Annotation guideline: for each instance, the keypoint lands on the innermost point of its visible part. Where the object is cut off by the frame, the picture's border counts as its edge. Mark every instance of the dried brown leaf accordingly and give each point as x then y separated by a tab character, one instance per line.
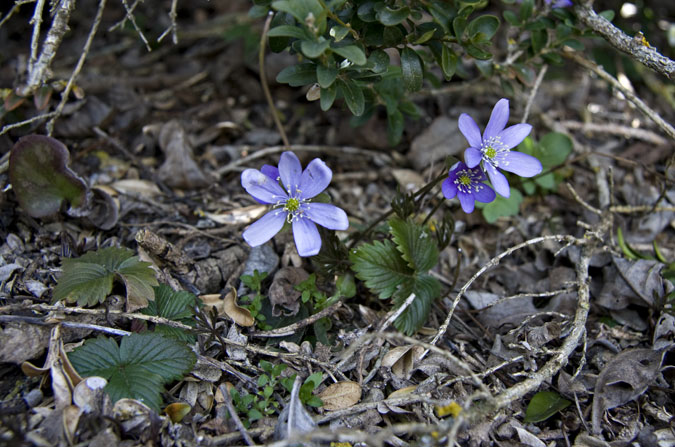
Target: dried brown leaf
238	314
340	395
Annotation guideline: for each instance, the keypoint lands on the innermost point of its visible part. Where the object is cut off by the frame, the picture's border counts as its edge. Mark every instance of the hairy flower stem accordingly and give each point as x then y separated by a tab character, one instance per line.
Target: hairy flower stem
418	195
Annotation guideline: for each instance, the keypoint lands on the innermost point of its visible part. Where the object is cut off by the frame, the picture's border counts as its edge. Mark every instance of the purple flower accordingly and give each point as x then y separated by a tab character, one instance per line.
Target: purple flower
494	147
467	184
291	203
559	3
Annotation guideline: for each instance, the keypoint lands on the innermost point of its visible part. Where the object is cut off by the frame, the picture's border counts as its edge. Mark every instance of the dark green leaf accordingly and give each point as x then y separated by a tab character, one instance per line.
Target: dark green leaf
395	126
416	246
511	17
313	49
477	52
543	405
353	96
392	36
424	37
339	32
328	97
539	40
391	17
138	368
326	75
426	289
300	9
573	44
173	305
525	11
448	62
41	178
381	267
411	69
459	25
378	61
289	31
351	53
366	12
486	26
298	75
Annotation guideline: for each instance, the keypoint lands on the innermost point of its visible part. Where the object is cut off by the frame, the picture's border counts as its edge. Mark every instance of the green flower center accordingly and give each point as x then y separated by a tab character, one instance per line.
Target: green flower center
465	180
292	205
490	152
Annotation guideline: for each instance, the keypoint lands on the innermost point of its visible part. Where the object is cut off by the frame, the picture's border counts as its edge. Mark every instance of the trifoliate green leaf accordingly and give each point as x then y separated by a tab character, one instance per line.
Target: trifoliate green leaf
426	289
88	279
138	368
415	244
381	267
178	306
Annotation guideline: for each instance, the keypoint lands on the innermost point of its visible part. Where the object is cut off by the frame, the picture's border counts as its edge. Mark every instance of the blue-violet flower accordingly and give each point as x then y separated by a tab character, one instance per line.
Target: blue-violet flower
467	184
494	147
291	203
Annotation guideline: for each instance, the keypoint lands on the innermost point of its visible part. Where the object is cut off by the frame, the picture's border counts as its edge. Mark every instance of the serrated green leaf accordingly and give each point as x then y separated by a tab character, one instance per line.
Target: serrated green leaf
381	267
173	305
543	405
138	368
426	289
411	70
502	207
88	279
298	75
352	53
313	49
353	97
415	245
41	177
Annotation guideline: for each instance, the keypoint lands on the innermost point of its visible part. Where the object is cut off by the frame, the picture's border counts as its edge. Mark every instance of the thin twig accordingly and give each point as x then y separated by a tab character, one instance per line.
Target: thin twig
35	37
644	108
636	46
130	16
174	26
395	313
78	67
26	122
37	73
617	129
14	10
535	89
263	81
292	328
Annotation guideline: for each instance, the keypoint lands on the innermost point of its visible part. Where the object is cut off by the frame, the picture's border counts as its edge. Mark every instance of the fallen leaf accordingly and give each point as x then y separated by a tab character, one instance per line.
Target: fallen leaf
340	395
282	291
401	360
177	411
238	314
179	169
238	216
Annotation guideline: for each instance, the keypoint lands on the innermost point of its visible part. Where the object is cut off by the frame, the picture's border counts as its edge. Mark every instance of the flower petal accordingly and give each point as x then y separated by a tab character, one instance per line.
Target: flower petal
512	136
315	178
498	180
449	188
521	164
498	119
472	157
264	228
327	215
290	170
307	238
467	201
270	171
470	130
262	187
484	194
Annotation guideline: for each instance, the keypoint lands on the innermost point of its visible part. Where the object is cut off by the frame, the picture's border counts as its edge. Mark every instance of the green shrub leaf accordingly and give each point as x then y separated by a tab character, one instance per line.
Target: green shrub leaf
416	246
353	97
138	368
483	27
88	279
391	17
298	75
41	178
352	53
543	405
326	75
411	69
381	267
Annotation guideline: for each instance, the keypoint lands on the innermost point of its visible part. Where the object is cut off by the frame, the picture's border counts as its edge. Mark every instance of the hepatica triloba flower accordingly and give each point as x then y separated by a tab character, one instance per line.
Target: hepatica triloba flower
493	148
467	184
291	202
